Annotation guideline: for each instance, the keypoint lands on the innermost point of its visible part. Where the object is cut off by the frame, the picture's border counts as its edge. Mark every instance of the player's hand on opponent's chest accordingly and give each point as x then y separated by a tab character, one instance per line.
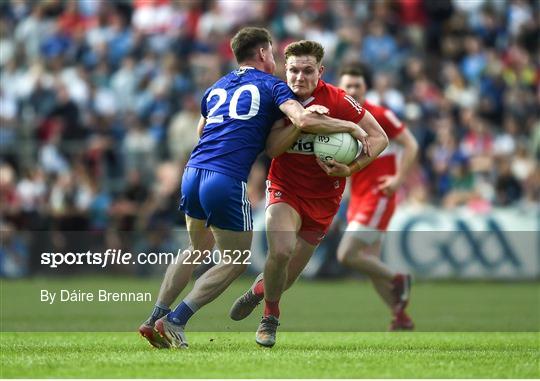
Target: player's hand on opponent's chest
318	109
333	168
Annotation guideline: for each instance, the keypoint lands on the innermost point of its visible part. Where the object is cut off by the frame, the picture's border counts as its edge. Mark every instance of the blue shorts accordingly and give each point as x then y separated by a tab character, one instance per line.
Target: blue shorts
219	199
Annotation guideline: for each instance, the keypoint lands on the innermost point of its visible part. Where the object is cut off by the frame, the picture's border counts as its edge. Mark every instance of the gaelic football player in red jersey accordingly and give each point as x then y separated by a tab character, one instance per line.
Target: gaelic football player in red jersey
373	201
302	198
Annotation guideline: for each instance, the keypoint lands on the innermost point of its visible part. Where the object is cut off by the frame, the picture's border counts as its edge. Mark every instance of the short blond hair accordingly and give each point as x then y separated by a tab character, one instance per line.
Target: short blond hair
305	48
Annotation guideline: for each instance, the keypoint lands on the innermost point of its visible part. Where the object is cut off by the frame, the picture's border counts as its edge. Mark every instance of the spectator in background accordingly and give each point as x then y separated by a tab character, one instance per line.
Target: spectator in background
505	142
32	195
508	189
457	90
183	130
380	48
9	199
461	184
385	94
111	88
474	62
50	158
139	149
477	145
127	206
8	114
124	84
442	153
14	261
99	207
523	164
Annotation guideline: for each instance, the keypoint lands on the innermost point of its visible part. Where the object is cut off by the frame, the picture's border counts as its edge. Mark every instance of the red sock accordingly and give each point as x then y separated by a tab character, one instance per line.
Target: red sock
259	288
271	308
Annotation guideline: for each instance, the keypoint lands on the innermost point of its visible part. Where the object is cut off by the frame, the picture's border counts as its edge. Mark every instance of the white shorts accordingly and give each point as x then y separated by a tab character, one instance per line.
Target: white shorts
364	233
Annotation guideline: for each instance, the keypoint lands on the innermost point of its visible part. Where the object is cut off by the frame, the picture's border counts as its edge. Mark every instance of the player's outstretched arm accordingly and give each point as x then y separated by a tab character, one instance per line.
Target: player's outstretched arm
315	123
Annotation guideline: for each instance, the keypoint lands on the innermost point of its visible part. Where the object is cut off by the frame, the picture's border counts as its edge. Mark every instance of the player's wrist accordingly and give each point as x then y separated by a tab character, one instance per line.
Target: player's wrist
353	127
353	167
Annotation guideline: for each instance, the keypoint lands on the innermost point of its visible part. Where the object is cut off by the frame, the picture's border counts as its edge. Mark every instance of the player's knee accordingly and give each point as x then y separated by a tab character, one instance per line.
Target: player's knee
281	254
349	255
344	256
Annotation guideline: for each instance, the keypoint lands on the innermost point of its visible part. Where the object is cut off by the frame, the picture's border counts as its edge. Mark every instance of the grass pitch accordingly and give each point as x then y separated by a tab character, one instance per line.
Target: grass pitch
297	355
465	330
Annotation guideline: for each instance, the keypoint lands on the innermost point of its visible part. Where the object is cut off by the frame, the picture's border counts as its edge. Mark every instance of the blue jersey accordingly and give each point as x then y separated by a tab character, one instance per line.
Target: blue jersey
240	110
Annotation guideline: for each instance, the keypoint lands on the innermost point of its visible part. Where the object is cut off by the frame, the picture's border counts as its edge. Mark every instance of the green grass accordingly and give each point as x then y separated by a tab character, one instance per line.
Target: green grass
344	305
297	355
465	330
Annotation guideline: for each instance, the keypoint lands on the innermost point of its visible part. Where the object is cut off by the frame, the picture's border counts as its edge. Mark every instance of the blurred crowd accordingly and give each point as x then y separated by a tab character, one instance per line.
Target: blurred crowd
99	100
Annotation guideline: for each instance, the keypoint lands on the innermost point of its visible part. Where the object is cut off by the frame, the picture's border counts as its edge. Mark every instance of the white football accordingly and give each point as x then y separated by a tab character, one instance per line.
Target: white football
341	147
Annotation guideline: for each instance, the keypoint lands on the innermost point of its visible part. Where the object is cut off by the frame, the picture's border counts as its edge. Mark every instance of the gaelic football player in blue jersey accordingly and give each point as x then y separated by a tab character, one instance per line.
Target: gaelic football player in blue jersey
238	112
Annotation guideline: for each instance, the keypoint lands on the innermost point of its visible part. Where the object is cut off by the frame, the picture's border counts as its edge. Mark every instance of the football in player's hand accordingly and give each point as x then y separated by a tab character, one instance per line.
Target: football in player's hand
341	147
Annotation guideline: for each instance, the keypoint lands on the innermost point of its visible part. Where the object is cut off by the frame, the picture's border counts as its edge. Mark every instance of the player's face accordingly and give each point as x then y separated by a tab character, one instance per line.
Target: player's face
303	74
267	55
354	85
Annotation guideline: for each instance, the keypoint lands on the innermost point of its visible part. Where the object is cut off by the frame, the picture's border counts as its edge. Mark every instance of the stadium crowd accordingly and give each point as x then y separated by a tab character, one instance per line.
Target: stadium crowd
99	100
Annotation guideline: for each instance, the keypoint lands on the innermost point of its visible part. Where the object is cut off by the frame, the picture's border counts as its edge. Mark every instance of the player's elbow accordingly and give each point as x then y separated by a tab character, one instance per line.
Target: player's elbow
385	140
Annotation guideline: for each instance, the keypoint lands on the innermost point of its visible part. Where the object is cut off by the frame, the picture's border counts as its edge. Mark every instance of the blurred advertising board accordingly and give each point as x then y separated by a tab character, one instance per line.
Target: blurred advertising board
436	243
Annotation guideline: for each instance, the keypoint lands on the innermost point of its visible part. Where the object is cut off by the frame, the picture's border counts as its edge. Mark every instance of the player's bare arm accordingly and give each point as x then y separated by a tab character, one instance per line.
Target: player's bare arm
200	125
378	141
281	137
311	120
389	184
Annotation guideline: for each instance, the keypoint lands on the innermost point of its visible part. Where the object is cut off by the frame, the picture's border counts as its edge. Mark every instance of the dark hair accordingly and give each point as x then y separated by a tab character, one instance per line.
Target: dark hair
305	48
244	44
357	69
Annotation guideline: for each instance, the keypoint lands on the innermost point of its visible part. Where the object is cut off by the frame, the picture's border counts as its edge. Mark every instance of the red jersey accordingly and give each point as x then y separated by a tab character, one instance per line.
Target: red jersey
297	168
364	180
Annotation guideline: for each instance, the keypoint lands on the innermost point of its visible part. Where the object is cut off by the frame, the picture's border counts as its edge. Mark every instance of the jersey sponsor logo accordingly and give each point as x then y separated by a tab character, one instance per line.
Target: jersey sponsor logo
304	145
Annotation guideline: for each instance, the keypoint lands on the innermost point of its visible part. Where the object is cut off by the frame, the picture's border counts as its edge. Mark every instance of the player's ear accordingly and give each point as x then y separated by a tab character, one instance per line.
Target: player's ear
321	70
263	52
